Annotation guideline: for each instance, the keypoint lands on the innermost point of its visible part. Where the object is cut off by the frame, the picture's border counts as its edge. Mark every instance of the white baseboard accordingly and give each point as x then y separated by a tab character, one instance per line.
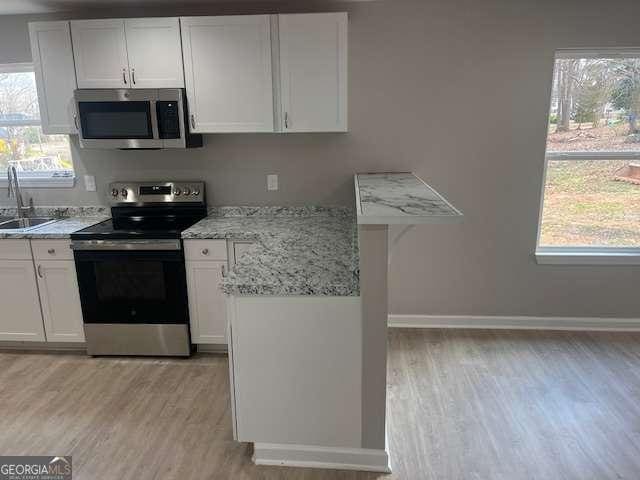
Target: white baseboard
43	346
515	322
310	456
204	348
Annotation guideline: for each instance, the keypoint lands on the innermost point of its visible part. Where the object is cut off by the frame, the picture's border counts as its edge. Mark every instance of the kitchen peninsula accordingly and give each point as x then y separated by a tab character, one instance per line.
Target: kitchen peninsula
307	313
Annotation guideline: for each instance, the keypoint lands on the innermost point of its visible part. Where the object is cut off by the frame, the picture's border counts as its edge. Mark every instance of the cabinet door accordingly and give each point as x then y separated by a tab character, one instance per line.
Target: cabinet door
154	52
100	53
21	318
60	300
55	75
206	302
228	73
313	72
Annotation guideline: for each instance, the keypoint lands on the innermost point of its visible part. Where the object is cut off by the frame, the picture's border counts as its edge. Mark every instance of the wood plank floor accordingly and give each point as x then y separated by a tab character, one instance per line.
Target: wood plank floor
461	405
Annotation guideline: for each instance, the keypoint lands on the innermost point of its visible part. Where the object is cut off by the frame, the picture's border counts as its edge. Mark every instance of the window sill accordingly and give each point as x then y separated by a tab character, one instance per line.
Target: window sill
43	182
587	256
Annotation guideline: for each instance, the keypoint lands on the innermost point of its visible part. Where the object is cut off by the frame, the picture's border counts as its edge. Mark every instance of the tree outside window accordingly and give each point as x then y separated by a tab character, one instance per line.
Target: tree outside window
592	184
22	143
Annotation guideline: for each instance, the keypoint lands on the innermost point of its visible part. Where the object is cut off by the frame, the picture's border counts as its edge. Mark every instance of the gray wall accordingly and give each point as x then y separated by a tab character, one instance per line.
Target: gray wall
417	71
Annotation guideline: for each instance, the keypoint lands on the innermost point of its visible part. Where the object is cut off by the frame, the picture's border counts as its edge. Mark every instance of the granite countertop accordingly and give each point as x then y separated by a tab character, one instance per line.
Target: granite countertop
298	251
400	198
75	218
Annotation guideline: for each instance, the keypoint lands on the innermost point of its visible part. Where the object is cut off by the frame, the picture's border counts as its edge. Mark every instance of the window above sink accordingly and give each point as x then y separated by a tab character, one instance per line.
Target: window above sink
40	160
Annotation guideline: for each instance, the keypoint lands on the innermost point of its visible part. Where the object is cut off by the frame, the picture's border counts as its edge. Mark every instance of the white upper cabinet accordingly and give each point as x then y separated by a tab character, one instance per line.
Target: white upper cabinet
230	82
313	72
131	53
100	52
155	52
55	75
228	73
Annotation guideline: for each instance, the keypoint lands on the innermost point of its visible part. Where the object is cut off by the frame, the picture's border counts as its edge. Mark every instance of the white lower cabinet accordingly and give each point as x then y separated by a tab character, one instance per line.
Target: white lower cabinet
296	370
60	300
39	292
206	264
206	302
20	317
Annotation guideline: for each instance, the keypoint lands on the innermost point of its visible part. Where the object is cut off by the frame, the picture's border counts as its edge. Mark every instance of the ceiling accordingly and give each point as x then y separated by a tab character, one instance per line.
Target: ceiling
16	7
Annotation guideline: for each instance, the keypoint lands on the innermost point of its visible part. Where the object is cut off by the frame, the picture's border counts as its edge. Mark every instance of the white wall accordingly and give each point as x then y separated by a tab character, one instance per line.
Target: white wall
456	91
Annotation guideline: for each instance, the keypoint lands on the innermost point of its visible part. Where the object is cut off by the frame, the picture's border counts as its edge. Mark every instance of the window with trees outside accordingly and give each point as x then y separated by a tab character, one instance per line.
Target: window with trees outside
39	159
591	198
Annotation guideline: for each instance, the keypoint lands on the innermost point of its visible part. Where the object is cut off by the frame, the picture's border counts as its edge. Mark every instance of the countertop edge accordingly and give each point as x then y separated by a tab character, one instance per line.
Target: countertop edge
404	218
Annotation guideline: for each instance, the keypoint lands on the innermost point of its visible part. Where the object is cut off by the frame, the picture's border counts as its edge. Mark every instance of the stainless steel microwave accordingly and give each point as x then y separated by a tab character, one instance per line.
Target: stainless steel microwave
134	119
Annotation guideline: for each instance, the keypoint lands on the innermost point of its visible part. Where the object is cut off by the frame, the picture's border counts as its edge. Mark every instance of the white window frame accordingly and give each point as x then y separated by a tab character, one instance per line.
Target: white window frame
580	255
39	179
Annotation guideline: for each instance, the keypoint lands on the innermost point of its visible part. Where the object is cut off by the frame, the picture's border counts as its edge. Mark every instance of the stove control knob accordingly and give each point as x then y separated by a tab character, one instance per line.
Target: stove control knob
187	191
177	192
114	192
124	192
196	192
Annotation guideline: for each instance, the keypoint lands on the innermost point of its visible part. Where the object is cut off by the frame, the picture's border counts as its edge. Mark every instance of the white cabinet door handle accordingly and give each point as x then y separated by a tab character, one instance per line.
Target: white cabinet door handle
40	271
51	251
286	119
223	268
205	251
133	75
193	121
124	76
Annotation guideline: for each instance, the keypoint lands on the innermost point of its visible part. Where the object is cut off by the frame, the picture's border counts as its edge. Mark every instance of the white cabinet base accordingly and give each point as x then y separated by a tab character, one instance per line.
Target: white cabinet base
297	370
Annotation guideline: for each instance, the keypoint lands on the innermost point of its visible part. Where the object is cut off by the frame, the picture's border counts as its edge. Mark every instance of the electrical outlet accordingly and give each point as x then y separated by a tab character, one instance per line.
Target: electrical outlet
272	182
90	183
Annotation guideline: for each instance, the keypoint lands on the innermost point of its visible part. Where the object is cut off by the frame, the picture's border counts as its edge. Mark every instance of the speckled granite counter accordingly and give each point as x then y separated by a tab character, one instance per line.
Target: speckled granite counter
298	251
400	198
69	220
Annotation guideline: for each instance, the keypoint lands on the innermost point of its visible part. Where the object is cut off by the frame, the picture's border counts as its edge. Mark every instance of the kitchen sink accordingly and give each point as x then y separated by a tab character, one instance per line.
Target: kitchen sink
25	223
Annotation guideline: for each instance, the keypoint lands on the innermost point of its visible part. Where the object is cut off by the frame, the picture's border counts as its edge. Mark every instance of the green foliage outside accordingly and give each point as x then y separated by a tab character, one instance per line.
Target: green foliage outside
585	206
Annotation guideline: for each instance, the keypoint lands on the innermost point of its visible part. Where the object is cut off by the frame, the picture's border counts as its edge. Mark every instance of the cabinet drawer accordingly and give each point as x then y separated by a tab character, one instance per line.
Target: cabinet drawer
205	249
52	249
15	249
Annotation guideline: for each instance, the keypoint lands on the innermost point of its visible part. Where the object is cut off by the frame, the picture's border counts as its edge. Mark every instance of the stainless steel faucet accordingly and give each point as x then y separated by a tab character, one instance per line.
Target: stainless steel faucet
14	190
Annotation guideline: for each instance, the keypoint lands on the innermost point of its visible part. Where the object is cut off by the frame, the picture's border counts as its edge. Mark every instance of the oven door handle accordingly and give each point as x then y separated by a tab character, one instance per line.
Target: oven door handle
126	245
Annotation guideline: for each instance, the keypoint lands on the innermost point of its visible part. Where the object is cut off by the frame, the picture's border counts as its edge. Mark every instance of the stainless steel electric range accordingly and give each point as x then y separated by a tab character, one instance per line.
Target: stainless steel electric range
131	271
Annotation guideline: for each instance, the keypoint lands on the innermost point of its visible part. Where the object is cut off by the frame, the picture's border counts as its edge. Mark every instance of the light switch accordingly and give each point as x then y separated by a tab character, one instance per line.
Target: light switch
90	183
272	182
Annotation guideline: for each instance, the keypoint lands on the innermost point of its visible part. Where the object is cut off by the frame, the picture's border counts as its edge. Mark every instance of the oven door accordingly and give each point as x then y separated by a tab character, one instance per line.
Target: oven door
131	286
118	118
